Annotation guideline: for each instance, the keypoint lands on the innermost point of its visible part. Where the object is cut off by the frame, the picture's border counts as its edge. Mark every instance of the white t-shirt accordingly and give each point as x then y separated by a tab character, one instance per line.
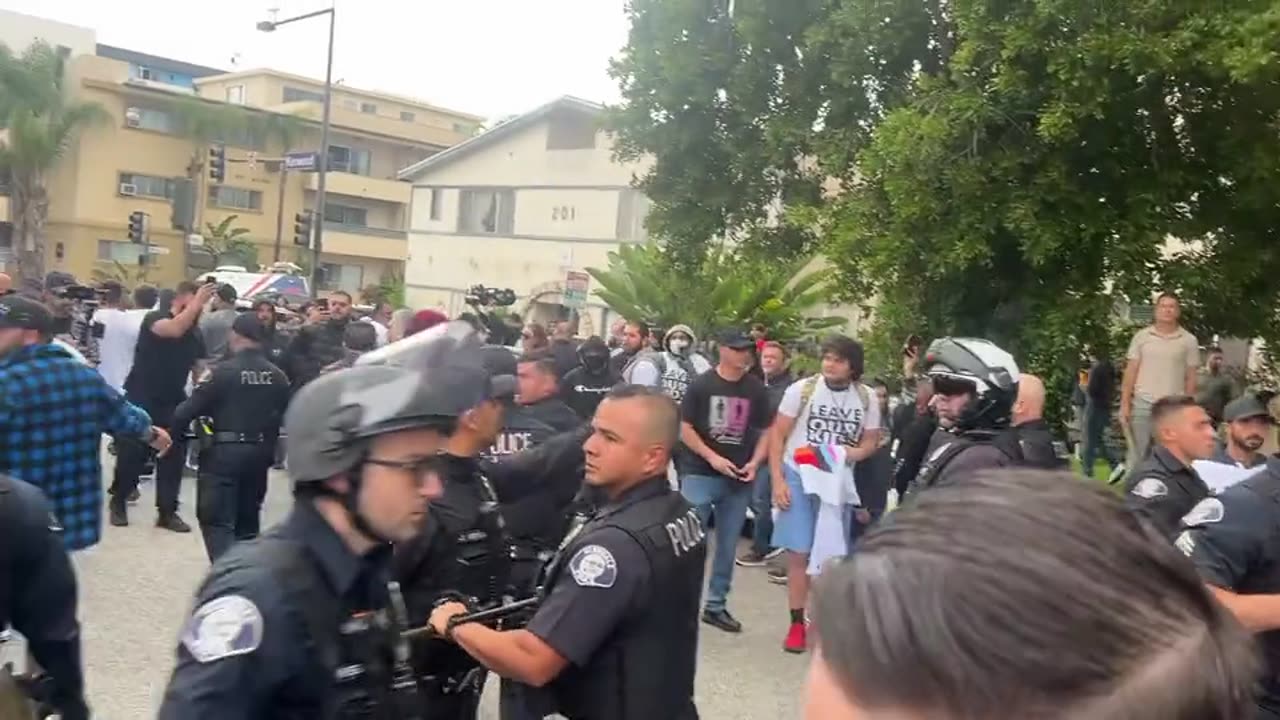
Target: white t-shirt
830	417
120	330
379	330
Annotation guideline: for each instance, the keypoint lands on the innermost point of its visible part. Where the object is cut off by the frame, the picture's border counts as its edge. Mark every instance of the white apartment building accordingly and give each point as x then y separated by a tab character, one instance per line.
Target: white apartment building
521	206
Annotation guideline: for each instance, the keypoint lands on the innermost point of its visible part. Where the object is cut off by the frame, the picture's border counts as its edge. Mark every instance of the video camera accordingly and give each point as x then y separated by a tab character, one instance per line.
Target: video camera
481	296
82	293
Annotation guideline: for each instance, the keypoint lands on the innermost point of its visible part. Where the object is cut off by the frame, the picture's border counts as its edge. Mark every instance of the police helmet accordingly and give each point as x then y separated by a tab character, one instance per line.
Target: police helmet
978	366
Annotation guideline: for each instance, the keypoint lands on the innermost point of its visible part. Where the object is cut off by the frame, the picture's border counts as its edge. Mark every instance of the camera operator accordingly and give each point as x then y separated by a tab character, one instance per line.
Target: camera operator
72	305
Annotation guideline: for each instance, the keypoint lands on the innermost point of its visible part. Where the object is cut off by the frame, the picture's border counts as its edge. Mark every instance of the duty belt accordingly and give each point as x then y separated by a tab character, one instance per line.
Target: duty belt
235	437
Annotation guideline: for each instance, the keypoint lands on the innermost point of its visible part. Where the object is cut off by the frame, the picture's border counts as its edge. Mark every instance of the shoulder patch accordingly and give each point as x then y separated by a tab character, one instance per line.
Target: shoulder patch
1150	488
594	566
223	627
1208	510
1186	543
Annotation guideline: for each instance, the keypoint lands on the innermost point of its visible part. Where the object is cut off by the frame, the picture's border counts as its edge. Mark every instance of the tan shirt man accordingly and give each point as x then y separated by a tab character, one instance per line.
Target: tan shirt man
1167	363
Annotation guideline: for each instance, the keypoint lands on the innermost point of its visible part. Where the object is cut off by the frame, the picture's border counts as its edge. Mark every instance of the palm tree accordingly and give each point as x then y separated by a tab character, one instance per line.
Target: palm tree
224	242
119	272
727	291
40	121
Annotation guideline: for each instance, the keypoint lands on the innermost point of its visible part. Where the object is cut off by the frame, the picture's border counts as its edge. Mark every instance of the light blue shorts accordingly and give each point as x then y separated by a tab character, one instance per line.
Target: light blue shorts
793	528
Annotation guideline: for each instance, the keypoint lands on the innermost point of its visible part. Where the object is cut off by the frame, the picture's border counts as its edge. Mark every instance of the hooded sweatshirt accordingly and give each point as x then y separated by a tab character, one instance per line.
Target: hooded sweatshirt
672	369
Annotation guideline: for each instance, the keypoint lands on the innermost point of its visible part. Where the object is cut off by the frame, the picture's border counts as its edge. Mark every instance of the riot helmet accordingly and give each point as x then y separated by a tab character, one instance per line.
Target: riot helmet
979	368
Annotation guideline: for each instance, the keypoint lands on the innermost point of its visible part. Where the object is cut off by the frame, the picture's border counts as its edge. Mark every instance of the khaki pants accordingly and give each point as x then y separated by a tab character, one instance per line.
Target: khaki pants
1139	432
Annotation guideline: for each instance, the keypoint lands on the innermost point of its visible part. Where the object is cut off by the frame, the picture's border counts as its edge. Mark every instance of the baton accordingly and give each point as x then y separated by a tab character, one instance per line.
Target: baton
474	617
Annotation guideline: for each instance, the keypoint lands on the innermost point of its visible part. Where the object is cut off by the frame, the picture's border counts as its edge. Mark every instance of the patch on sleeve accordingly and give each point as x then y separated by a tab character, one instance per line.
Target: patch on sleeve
1150	488
1208	510
1186	543
594	566
223	628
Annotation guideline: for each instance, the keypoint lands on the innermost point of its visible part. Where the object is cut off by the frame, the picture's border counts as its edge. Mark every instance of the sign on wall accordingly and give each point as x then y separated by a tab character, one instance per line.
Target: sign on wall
575	289
301	161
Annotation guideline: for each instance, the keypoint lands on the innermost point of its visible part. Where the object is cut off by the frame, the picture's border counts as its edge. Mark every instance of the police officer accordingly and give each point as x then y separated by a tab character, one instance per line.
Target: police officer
975	384
240	403
616	636
38	592
1234	542
521	428
271	635
586	385
1164	487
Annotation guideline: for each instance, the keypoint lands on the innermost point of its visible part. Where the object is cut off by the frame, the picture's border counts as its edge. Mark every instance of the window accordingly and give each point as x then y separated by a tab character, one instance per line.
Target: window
235	94
407	116
368	108
488	212
149	185
346	215
342	277
123	252
146	73
293	94
435	203
348	160
235	198
152	119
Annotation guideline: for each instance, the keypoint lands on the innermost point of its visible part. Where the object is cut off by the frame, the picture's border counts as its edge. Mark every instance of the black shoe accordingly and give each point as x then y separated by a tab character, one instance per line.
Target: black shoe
119	518
173	523
135	496
721	619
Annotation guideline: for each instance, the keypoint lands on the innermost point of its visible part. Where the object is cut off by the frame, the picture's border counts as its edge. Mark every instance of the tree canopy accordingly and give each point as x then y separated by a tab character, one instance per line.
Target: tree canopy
1009	168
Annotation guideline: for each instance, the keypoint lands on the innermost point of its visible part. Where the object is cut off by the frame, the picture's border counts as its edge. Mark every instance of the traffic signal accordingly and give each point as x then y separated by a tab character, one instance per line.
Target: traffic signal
217	163
137	226
302	228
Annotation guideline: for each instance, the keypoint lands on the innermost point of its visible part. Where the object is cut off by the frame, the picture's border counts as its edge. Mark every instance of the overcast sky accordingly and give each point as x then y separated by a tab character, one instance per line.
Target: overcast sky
487	57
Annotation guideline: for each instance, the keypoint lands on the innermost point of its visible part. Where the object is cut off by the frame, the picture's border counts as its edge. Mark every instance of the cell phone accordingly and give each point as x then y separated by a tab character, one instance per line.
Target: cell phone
210	280
323	304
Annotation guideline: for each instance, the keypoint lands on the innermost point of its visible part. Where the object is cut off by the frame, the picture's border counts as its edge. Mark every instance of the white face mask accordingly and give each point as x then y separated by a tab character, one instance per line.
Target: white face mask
678	345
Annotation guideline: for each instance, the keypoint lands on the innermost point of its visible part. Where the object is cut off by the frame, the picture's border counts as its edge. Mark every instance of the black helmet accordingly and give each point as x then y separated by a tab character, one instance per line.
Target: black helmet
980	367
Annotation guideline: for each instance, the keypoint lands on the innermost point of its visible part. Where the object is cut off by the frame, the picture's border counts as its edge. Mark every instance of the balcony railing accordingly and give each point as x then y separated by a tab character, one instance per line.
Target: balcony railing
365	230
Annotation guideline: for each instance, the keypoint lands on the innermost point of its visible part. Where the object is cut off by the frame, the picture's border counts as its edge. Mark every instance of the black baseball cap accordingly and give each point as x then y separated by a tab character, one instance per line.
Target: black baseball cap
459	388
227	293
1245	407
20	312
736	340
249	327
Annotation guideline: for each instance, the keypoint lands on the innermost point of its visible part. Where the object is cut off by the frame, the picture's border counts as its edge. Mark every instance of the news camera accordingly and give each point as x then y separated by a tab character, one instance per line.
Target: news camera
82	293
481	296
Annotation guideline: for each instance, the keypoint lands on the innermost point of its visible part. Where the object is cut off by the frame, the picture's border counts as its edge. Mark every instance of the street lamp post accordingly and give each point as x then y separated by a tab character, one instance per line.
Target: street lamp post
317	237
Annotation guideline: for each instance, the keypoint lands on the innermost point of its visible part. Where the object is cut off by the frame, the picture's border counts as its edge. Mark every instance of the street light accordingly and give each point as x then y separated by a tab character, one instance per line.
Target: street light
323	160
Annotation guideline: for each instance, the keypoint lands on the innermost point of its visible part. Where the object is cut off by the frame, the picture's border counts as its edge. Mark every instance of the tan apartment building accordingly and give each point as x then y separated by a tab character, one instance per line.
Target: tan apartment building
137	159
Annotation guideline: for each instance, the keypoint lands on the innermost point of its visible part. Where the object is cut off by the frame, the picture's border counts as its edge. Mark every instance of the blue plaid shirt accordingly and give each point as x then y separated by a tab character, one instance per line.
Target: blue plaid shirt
53	412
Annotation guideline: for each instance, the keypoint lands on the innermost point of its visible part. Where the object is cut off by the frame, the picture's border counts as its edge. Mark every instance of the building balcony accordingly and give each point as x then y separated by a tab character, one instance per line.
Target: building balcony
361	186
364	241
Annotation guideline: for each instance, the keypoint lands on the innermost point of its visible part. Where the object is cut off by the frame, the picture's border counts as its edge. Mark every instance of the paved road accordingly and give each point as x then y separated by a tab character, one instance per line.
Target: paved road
136	589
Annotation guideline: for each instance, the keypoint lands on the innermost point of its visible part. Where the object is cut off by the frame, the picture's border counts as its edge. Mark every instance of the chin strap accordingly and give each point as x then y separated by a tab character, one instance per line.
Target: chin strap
351	502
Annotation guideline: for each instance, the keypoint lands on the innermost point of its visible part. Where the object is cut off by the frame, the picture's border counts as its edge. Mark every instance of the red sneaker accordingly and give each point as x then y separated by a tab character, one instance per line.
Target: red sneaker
797	639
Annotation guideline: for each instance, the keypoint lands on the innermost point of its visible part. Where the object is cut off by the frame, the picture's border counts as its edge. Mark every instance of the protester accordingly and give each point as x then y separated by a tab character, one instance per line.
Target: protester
534	338
274	342
1162	361
380	319
398	328
584	386
318	343
672	368
357	339
424	320
1248	424
635	334
215	323
52	418
776	370
725	417
564	348
119	328
1019	595
1216	386
1100	393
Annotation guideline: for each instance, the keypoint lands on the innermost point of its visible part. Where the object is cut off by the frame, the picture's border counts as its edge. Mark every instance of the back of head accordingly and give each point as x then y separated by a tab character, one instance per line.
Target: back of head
145	297
360	337
1022	594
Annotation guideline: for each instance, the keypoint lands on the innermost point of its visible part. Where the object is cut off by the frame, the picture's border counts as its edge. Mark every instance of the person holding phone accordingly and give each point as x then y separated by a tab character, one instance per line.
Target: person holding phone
320	342
725	414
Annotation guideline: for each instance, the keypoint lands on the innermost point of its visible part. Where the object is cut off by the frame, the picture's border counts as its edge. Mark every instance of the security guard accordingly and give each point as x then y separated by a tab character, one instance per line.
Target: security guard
38	592
240	403
617	634
1163	487
275	627
1234	541
975	384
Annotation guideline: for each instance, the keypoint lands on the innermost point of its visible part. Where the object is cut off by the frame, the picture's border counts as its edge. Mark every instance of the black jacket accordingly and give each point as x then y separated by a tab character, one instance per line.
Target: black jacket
312	348
554	412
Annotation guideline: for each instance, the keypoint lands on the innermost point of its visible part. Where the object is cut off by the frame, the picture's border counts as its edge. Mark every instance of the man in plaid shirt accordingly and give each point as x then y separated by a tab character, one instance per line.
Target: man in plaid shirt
53	412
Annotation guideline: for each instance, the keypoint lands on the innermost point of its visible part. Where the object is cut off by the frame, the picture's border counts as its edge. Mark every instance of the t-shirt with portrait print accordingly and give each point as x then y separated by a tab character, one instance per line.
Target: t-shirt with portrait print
829	418
728	416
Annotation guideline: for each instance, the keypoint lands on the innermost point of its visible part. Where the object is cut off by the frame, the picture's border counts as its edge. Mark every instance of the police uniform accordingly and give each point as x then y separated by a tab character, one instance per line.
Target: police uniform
1234	542
521	430
38	592
244	399
1163	490
623	609
951	457
263	640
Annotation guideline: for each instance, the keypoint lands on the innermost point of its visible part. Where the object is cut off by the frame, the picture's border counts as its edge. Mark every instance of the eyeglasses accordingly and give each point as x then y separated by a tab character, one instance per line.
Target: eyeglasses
422	468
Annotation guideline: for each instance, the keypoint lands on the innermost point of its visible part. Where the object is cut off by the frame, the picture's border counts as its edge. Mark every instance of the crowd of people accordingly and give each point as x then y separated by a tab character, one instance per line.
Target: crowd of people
565	513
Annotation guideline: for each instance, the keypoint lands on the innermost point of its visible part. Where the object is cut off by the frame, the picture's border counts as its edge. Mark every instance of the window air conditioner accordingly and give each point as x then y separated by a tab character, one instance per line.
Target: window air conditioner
133	117
128	189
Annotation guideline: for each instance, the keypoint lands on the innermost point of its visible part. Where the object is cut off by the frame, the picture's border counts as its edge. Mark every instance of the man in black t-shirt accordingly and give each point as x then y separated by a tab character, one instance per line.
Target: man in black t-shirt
725	415
169	345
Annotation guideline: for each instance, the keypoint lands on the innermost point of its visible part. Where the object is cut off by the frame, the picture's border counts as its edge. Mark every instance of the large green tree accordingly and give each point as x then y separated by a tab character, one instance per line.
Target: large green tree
1011	168
39	122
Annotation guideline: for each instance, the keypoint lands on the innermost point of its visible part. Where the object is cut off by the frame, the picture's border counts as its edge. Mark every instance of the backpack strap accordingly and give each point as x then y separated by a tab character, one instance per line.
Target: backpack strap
806	393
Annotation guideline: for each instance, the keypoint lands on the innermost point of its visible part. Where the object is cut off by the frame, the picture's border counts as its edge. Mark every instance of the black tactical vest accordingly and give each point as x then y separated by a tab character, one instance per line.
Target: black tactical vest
645	669
484	550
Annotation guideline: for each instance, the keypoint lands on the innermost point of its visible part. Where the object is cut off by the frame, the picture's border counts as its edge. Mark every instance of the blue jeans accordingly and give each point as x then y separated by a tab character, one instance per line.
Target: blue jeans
728	499
762	506
1096	421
